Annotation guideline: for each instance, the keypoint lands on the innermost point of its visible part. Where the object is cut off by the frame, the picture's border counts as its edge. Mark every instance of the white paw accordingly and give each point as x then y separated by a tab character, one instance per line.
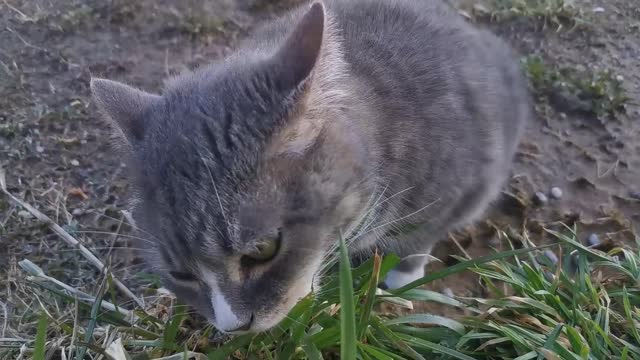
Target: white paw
396	279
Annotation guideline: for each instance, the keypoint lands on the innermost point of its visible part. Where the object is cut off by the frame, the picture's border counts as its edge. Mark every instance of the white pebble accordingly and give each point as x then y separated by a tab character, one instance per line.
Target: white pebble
556	192
25	214
39	149
593	240
448	292
541	198
75	162
598	9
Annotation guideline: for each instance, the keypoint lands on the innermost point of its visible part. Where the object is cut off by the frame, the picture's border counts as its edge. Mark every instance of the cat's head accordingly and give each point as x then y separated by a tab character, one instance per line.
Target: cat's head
243	181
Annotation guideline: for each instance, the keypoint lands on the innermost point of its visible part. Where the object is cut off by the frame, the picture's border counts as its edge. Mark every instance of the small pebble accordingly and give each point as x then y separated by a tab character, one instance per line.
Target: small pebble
635	195
556	192
25	214
447	292
77	212
593	240
39	149
598	9
494	242
75	162
540	198
552	256
27	249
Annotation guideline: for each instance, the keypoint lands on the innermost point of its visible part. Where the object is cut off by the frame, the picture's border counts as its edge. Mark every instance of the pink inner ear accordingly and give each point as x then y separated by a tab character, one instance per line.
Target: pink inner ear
301	50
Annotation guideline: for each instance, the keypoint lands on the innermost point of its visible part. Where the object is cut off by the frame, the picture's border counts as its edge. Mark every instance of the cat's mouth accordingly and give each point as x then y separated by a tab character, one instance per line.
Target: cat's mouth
267	319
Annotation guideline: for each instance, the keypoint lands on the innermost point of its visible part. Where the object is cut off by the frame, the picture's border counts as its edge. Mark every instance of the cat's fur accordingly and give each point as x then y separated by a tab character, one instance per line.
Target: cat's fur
382	112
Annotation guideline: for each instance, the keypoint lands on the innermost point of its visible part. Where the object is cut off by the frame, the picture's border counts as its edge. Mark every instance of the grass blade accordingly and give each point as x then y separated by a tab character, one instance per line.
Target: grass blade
172	329
92	322
41	337
370	297
348	337
310	349
460	267
420	343
428	319
376	353
395	339
224	352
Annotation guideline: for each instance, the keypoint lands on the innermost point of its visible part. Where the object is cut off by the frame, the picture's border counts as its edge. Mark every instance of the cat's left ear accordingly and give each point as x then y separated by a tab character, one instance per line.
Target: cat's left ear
297	57
124	106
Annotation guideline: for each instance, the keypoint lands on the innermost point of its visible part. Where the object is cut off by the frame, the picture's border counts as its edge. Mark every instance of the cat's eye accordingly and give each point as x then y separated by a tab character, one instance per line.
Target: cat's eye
183	276
265	250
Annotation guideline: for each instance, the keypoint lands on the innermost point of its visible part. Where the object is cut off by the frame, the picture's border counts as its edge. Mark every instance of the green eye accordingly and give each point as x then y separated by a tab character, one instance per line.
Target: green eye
265	250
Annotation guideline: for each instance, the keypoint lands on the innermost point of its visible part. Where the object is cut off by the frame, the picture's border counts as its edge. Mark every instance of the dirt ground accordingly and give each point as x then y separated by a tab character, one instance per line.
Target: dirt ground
54	151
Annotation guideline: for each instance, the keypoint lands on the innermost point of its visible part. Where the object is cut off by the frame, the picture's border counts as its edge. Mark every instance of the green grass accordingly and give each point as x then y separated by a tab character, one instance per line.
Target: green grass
561	13
585	307
598	92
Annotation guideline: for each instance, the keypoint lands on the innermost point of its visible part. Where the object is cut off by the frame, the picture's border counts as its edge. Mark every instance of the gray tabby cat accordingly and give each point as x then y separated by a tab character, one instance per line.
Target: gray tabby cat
346	116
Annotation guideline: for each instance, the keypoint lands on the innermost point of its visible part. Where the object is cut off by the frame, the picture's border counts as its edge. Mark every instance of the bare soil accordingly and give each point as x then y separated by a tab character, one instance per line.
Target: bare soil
55	153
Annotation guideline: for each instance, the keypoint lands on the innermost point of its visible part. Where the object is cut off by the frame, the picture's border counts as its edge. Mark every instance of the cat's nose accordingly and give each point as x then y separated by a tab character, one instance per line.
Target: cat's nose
244	327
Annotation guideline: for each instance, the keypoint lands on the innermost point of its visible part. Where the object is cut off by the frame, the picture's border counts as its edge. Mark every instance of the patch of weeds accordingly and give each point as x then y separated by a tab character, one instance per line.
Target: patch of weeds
558	12
270	5
585	304
202	25
8	130
68	19
77	16
597	92
118	12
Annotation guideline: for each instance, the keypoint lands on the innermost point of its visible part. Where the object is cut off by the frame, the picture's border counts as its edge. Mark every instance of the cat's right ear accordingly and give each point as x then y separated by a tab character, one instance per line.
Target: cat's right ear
124	106
298	55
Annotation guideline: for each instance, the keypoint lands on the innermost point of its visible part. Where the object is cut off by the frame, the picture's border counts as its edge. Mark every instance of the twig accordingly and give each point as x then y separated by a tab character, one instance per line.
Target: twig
460	247
6	69
36	273
114	238
127	215
5	320
25	42
23	17
16	340
68	239
166	62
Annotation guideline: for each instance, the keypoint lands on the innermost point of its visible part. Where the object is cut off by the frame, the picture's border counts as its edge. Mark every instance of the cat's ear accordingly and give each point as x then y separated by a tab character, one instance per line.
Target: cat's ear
124	105
299	54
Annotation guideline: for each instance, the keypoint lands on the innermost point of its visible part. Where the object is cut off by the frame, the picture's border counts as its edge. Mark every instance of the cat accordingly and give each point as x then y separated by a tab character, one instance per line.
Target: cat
342	118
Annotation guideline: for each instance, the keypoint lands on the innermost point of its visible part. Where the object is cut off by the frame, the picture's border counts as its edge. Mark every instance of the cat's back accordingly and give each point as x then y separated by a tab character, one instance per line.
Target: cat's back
418	41
400	24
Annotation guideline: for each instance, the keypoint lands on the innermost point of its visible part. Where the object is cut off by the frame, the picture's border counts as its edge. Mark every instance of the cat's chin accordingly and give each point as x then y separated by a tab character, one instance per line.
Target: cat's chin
260	325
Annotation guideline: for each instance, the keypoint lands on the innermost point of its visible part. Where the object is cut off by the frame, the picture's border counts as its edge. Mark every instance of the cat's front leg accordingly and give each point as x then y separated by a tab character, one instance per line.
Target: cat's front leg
409	269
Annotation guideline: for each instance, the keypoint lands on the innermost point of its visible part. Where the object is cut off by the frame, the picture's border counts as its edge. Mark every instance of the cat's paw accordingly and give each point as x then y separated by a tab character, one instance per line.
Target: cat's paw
396	279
